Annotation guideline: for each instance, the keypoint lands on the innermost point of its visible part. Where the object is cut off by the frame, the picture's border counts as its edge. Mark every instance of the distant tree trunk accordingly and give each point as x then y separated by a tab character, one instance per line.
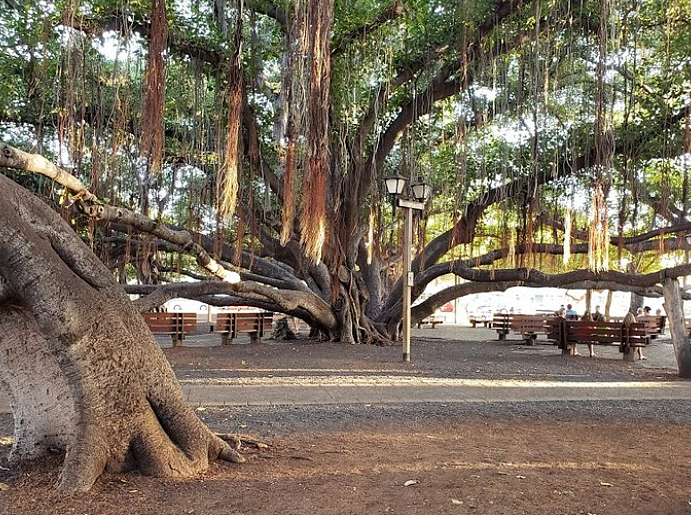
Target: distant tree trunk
608	303
636	302
588	300
83	372
675	315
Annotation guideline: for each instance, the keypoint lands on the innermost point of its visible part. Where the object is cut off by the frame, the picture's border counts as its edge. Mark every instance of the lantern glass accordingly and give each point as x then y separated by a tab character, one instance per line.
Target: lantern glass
421	191
395	184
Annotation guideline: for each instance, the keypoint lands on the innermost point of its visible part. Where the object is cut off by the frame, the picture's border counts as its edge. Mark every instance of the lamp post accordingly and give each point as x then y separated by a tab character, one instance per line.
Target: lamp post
395	186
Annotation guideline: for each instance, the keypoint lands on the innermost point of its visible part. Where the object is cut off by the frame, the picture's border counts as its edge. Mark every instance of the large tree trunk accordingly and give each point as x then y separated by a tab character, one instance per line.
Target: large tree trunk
675	316
83	371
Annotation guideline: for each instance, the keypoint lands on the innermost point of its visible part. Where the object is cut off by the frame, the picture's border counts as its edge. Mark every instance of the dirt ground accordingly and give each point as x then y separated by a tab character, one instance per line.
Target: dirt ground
468	467
595	457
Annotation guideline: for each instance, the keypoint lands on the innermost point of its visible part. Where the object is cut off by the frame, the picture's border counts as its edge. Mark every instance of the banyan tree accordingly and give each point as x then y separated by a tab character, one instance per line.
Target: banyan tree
244	143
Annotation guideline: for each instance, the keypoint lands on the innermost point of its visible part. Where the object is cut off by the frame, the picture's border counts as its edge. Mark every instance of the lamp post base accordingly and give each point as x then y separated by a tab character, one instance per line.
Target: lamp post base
406	356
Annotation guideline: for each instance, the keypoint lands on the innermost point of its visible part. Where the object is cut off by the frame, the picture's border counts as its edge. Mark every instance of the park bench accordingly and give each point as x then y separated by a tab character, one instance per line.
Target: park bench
177	325
431	321
530	326
254	323
474	321
568	333
654	325
503	323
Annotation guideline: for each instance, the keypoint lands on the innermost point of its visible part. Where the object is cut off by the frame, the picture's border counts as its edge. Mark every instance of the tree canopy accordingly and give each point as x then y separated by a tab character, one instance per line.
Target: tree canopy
252	136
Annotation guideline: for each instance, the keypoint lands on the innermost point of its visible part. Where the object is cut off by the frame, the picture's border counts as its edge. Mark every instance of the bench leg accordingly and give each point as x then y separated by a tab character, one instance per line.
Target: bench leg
473	324
502	336
226	339
255	338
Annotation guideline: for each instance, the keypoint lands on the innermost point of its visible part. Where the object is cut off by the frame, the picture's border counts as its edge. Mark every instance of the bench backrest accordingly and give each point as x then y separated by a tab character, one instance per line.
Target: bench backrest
532	323
653	324
244	322
584	331
503	321
259	322
171	323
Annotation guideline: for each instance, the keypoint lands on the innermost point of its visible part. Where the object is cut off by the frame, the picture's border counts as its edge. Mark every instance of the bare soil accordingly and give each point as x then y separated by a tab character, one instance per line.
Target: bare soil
466	467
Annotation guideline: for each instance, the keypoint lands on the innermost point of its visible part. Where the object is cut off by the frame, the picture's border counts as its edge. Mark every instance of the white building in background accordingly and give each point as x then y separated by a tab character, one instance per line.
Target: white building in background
530	301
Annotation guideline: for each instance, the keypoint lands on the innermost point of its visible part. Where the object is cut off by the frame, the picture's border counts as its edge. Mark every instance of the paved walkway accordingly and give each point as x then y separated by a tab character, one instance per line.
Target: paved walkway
424	391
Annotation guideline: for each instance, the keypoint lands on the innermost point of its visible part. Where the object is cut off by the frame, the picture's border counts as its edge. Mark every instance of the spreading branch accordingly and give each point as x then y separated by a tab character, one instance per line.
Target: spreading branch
301	304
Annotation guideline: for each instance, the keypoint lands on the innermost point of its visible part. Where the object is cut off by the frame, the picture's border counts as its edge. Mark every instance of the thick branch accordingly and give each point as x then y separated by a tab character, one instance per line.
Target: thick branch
449	267
530	275
270	9
446	83
14	158
11	157
302	304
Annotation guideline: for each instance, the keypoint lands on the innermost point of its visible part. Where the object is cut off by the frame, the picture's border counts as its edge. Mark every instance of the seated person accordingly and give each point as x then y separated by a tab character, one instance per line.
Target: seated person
631	319
591	347
571	314
597	316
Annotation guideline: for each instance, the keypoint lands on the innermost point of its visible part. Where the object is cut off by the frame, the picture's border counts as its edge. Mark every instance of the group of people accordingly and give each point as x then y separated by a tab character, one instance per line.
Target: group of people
570	314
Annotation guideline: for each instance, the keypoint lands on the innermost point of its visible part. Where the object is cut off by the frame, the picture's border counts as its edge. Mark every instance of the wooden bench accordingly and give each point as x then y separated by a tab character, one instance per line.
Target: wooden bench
503	323
530	326
568	333
654	325
254	323
177	325
432	321
474	321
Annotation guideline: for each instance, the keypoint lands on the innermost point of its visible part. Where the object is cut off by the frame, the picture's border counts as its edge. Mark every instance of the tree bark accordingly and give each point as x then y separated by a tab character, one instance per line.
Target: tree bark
83	371
674	306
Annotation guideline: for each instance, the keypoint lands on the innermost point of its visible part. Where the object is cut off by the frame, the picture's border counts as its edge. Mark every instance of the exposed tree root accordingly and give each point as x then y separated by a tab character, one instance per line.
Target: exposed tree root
84	373
238	441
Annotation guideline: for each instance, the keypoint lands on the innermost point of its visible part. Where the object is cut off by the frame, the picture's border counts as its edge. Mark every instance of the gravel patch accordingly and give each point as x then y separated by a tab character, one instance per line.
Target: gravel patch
282	421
